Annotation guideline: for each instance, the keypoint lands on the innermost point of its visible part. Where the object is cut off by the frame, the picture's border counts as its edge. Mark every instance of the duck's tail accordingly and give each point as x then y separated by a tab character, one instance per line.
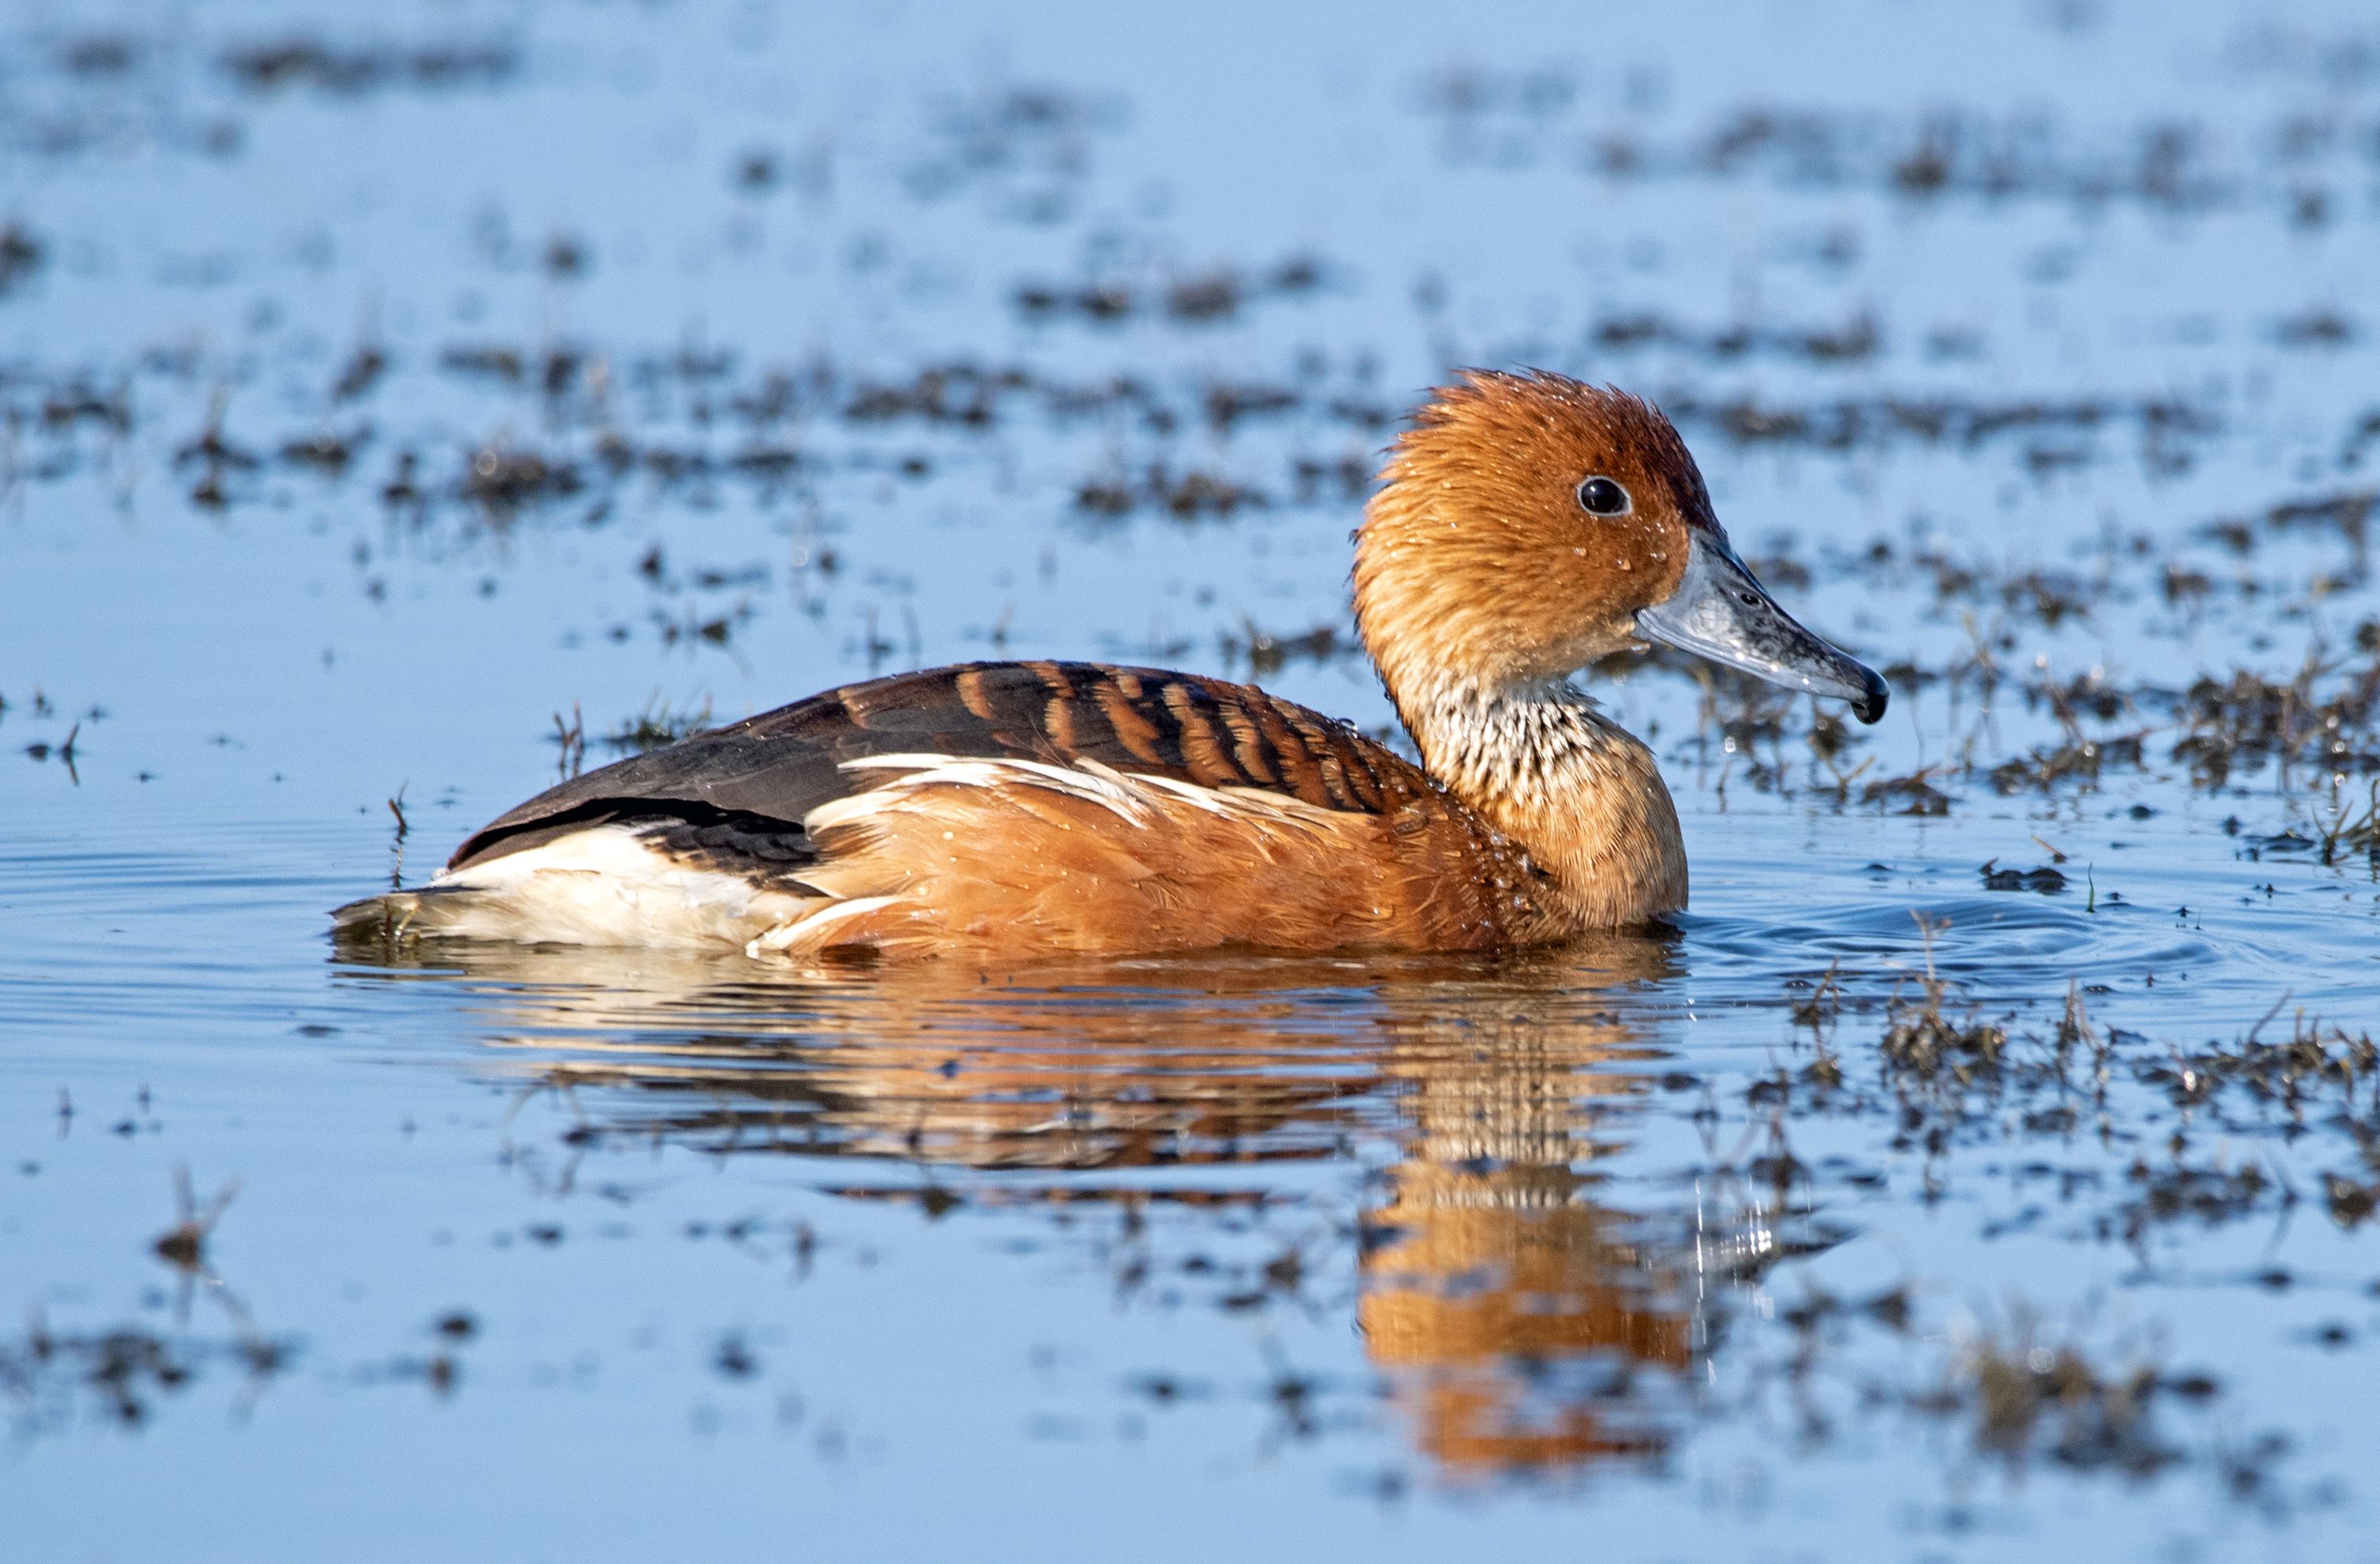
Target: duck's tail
399	916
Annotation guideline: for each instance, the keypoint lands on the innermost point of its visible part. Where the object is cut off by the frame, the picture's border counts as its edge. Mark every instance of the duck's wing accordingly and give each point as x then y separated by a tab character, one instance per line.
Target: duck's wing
756	780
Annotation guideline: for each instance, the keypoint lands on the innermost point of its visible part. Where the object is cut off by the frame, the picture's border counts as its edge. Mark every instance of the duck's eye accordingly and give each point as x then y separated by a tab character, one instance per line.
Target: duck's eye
1600	496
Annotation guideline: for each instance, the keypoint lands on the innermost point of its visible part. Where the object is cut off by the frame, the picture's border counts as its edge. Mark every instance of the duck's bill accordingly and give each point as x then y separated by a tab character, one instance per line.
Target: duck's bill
1720	611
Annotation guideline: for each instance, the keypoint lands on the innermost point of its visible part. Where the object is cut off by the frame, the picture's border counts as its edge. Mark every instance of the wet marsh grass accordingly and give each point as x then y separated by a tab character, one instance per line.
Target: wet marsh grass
2034	1400
1953	1072
2222	726
2016	1395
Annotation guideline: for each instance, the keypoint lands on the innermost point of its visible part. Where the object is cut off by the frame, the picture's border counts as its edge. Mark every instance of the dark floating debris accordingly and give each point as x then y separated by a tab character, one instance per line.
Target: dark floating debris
963	394
1923	1043
326	453
1263	653
506	364
101	55
504	479
1025	149
126	1371
40	749
1529	118
756	171
363	371
328	67
184	1246
2044	879
656	725
1915	793
567	257
2250	719
1196	299
1858	339
2034	1401
1878	422
20	256
2314	328
1189	496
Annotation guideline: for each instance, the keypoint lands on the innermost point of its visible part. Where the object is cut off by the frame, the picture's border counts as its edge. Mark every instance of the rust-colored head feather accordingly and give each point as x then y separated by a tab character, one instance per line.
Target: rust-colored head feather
1483	562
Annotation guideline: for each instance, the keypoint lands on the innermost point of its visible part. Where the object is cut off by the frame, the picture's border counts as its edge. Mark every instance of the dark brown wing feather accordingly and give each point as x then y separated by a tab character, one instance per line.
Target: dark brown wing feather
751	783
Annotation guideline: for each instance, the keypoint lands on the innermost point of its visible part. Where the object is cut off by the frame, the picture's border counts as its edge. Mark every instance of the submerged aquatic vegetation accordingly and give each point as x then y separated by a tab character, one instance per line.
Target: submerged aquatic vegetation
1188	496
127	1368
1263	651
1193	299
2035	1400
22	254
303	61
2315	1061
124	1371
2044	878
2323	717
1925	1046
503	480
1915	793
657	724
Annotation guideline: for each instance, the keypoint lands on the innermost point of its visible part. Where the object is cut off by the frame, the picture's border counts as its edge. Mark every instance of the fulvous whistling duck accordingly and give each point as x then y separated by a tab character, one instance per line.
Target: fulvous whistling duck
1526	526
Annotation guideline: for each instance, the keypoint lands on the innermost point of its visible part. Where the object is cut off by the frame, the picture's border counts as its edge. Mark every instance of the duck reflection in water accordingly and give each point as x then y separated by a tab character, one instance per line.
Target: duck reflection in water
1523	1321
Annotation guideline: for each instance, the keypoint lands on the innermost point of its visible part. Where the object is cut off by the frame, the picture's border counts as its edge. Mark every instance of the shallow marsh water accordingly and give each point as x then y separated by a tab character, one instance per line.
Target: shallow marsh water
1988	1163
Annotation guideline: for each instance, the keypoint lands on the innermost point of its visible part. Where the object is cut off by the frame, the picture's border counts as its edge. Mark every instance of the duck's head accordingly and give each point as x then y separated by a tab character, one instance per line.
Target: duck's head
1530	524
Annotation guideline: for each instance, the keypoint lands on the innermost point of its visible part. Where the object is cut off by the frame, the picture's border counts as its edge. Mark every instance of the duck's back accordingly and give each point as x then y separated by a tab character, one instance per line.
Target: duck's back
999	807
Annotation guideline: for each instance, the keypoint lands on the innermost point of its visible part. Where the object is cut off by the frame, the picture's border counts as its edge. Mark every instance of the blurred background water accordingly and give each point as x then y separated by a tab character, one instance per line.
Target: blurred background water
410	405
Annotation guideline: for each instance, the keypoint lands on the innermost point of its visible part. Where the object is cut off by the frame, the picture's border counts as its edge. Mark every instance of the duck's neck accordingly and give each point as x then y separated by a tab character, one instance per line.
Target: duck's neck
1543	766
